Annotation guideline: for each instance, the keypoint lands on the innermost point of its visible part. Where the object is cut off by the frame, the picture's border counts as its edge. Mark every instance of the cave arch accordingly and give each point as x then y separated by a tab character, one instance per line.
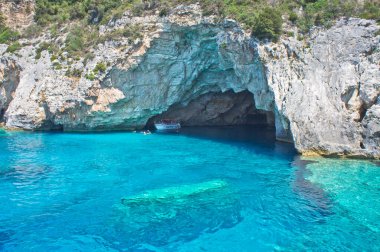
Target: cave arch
227	108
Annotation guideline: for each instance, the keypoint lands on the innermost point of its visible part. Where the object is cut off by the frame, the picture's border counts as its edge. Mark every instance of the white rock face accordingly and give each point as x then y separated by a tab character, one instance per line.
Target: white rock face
328	90
324	95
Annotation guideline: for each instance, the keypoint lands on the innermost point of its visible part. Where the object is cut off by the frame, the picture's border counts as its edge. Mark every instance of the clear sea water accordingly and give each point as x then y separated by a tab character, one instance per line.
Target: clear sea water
63	192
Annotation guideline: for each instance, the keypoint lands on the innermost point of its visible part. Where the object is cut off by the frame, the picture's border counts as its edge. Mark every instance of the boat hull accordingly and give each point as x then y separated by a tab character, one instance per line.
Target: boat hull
163	127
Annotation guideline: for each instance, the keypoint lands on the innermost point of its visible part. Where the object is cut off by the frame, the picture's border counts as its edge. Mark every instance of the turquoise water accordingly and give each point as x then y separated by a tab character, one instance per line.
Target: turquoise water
200	190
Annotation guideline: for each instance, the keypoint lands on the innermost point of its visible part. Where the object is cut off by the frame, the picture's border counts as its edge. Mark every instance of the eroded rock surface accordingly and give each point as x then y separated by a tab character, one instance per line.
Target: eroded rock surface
323	92
9	80
328	88
18	13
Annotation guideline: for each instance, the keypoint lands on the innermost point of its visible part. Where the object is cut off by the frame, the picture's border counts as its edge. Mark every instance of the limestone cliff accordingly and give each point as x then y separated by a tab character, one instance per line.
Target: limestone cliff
329	88
9	79
323	92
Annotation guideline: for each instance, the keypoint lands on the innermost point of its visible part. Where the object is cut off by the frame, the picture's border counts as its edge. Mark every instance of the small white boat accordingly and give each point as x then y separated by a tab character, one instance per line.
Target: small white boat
167	124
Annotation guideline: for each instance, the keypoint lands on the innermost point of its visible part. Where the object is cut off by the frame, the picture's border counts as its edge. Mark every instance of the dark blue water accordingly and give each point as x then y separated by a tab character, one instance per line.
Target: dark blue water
204	189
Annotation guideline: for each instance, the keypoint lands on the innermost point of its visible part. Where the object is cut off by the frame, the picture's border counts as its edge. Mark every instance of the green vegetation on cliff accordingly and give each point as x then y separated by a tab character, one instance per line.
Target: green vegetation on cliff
6	34
60	11
14	47
261	16
324	12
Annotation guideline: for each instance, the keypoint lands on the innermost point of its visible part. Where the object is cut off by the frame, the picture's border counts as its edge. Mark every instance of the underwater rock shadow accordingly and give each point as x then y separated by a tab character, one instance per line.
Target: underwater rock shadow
176	214
27	174
5	237
318	198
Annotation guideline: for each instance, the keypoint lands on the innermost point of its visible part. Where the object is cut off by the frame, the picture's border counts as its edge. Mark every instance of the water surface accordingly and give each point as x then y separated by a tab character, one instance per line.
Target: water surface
63	192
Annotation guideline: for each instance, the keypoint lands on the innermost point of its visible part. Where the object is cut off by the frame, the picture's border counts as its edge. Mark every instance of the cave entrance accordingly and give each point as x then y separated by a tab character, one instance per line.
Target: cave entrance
218	109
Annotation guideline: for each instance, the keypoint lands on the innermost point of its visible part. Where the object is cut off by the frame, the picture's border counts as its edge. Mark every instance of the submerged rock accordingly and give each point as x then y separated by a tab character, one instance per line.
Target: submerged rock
171	194
179	213
353	185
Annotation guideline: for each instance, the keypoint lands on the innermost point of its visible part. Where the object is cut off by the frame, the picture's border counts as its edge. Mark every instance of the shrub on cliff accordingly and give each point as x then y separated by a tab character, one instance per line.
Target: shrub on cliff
49	11
73	73
293	17
371	11
75	40
90	76
32	31
268	24
324	12
100	68
7	35
214	7
79	42
14	47
45	46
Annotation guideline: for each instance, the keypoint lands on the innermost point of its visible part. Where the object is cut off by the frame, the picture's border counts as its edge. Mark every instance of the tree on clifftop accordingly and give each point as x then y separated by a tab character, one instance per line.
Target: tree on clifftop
268	24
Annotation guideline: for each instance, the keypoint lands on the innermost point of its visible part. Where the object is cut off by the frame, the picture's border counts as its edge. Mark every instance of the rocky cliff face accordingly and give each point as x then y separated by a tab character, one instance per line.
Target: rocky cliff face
329	88
323	92
9	80
18	13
